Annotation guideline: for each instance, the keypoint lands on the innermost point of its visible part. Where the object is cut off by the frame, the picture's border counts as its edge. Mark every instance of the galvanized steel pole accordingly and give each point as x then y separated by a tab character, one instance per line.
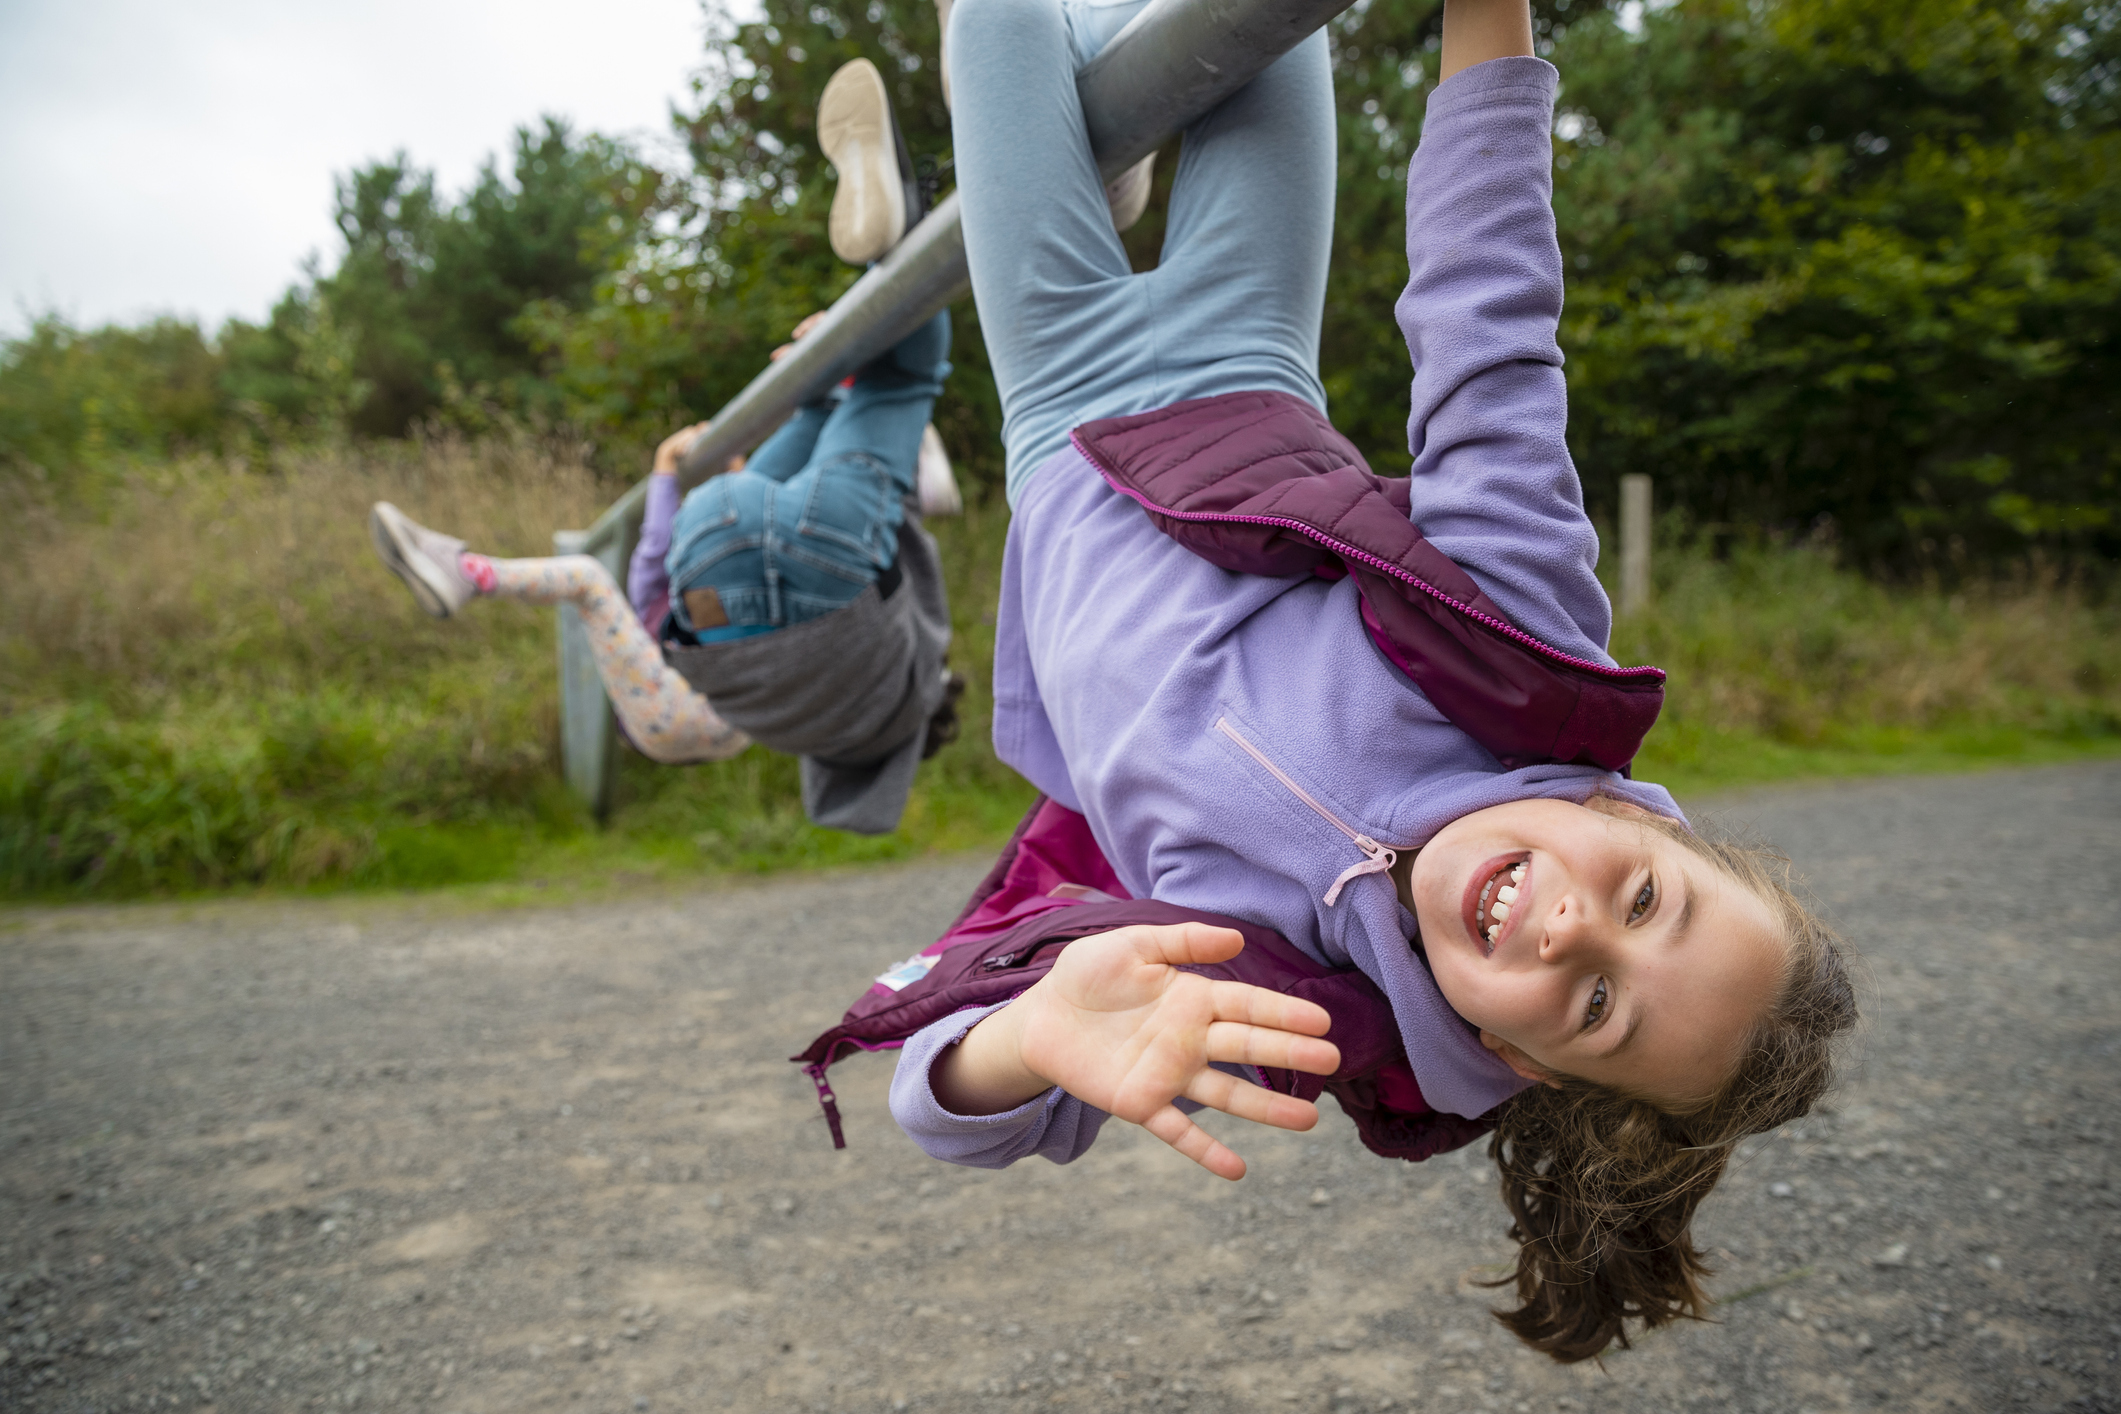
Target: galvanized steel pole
1174	62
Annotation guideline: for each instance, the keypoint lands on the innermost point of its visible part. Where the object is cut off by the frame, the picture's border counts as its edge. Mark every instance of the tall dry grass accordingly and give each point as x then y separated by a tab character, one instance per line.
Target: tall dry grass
207	679
1777	642
205	575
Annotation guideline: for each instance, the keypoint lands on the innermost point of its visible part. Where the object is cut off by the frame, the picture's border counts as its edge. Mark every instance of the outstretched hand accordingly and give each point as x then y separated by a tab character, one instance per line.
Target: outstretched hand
1118	1026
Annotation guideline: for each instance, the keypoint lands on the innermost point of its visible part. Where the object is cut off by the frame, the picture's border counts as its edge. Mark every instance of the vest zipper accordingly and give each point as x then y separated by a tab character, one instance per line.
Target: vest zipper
1377	858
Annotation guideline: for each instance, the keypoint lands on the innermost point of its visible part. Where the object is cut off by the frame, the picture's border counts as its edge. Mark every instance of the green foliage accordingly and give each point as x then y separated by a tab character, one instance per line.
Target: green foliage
441	301
66	395
1838	261
1831	261
280	788
683	325
431	311
207	681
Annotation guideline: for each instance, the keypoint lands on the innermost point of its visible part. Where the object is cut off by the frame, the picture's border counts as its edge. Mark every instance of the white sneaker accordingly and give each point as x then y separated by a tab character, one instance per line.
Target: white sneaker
936	482
942	45
1128	193
854	129
425	559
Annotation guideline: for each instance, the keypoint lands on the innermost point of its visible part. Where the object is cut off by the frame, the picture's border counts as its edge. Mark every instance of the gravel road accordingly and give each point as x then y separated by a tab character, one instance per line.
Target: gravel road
382	1155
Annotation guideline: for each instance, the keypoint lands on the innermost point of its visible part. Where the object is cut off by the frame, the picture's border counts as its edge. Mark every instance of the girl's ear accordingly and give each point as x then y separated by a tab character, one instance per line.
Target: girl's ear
1516	1060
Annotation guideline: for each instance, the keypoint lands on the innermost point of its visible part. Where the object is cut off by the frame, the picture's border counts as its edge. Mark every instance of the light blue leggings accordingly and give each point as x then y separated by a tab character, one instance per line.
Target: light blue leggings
1236	300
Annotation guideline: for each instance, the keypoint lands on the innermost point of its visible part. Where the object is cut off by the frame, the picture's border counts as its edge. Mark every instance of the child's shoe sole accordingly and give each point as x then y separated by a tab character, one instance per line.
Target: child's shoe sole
1128	193
436	589
934	478
854	130
942	45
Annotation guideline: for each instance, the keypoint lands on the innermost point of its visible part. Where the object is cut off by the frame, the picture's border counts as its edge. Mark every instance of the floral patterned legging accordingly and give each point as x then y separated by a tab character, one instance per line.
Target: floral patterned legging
663	716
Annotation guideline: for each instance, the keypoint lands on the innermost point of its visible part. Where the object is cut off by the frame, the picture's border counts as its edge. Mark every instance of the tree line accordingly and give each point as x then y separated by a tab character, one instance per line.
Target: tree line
1835	266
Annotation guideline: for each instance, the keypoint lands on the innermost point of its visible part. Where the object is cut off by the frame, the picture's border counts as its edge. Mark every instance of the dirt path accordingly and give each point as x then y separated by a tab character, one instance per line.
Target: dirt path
380	1156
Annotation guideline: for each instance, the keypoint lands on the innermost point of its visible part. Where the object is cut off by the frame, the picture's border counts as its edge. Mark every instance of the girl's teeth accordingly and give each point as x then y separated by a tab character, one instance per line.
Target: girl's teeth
1517	875
1501	912
1492	930
1506	894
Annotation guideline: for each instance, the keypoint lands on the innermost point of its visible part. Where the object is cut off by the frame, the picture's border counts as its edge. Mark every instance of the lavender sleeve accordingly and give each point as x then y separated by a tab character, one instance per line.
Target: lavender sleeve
1493	484
1055	1124
647	577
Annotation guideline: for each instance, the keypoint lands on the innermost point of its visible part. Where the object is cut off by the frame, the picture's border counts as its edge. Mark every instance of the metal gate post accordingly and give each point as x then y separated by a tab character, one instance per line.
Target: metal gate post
589	740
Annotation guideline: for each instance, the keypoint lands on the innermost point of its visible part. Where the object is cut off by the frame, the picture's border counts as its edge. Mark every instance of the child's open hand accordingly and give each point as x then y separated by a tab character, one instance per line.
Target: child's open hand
1118	1026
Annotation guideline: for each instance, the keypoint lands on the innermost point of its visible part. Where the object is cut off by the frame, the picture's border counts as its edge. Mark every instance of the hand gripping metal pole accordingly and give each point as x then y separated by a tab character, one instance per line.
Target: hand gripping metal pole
1174	62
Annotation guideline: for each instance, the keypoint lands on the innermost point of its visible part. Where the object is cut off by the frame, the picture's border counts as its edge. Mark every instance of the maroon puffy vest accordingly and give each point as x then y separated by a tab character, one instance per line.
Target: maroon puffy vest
1262	483
1053	885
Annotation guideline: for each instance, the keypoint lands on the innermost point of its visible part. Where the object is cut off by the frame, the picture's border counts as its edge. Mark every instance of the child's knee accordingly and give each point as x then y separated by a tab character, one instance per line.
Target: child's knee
1005	25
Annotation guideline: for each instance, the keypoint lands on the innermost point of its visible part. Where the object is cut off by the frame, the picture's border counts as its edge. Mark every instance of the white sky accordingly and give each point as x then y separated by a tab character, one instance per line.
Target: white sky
179	158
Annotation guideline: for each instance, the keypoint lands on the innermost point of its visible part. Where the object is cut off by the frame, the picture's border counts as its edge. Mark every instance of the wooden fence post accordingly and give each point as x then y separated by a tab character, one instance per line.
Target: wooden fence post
1634	543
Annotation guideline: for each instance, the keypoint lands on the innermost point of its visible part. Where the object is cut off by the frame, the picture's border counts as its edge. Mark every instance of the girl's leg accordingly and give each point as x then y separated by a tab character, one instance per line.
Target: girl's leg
1236	301
1067	327
663	716
881	417
788	450
1240	291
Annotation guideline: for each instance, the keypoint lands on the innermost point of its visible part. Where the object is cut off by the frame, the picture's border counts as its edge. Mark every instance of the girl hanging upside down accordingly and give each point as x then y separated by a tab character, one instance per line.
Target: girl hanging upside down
1370	724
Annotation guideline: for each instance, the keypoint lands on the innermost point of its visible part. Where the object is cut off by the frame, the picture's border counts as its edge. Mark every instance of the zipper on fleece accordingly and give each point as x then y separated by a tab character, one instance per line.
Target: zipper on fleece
1377	858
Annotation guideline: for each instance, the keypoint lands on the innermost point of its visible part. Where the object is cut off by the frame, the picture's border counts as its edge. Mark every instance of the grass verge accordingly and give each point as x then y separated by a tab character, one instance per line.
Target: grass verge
209	685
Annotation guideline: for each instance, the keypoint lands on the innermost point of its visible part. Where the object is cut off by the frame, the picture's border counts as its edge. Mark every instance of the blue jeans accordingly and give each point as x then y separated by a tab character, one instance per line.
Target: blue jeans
1235	302
813	517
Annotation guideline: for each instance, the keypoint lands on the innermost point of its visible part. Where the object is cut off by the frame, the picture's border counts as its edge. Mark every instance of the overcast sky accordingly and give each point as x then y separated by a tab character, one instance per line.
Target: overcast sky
179	158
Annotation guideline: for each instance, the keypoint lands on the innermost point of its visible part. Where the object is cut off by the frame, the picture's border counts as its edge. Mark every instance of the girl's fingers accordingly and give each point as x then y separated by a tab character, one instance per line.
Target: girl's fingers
1262	1006
1195	1143
1177	943
1248	1101
1235	1042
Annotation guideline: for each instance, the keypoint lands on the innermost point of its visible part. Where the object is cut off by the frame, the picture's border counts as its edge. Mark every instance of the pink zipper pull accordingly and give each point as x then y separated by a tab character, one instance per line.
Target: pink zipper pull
1377	860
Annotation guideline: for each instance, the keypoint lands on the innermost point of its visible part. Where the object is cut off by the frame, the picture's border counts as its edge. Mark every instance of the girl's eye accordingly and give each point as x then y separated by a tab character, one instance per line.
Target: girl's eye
1595	1011
1643	901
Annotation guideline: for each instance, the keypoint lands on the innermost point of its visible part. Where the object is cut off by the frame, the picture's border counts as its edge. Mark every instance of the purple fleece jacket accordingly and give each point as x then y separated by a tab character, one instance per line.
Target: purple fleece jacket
1123	662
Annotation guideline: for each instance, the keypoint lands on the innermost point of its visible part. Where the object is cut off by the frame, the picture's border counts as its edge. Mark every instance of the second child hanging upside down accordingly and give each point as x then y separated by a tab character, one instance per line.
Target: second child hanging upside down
796	599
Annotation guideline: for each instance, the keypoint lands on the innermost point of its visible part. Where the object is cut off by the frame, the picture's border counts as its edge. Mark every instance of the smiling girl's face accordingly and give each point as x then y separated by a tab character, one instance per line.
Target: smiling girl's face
1587	945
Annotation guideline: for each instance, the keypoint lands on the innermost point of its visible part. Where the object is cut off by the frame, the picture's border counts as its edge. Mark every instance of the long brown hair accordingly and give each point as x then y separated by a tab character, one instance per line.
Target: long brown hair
1602	1185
